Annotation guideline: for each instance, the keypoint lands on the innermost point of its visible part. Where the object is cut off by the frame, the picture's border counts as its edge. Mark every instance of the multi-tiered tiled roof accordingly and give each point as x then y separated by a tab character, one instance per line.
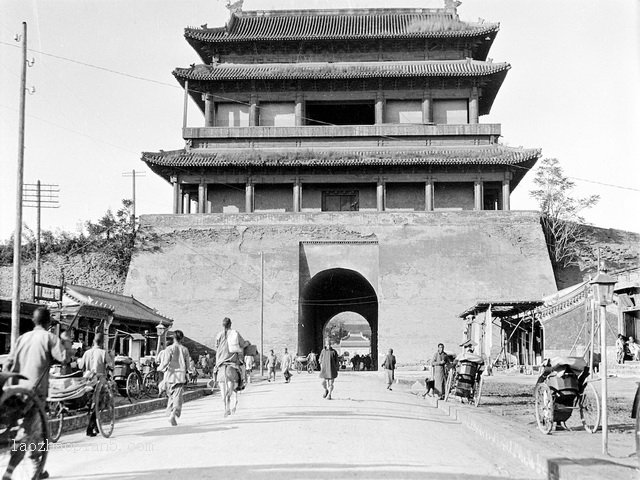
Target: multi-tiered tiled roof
355	24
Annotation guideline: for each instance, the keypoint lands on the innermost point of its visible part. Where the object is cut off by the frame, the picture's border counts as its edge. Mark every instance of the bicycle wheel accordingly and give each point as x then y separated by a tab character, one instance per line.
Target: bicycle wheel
590	409
150	384
448	385
133	386
105	408
55	412
24	432
545	405
477	391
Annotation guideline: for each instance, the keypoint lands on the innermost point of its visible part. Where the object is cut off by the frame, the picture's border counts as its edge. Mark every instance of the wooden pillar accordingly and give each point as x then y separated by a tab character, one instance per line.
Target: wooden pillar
297	196
428	195
427	116
473	106
186	202
202	197
253	111
209	111
379	108
248	198
380	196
186	104
299	110
506	194
477	195
177	195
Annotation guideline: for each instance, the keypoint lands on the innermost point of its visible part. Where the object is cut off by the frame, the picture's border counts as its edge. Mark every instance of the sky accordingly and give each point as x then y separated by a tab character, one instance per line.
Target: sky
572	91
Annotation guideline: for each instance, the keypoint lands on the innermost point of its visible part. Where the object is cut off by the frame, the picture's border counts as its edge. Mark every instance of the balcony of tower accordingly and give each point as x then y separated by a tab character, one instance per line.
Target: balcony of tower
318	136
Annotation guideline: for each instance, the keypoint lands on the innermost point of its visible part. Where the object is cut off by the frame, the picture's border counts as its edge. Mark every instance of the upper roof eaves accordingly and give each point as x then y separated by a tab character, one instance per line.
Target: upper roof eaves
276	25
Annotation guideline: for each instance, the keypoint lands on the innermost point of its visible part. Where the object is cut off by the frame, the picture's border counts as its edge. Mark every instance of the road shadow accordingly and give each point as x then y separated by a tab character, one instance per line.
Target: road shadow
311	471
556	466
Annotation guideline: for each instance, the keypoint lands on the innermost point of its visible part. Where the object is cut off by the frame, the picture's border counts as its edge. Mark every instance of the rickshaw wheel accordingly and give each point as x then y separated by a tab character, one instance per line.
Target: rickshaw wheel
298	366
105	408
23	420
477	391
449	385
590	409
545	405
56	417
133	386
150	384
637	412
309	368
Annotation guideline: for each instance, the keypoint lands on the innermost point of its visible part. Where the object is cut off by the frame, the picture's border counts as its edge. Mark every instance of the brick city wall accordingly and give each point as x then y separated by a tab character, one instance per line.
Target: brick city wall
430	266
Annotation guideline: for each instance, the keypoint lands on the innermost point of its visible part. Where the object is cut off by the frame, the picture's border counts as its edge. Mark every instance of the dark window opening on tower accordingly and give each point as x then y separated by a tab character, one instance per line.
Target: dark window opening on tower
340	113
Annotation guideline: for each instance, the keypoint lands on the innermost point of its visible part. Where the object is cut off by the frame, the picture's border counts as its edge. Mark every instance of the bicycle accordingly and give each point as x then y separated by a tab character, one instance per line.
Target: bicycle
22	422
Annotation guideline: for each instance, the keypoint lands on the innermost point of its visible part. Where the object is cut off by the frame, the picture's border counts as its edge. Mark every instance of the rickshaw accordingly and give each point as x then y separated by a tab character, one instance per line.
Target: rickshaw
151	377
563	387
128	378
22	421
465	380
301	363
75	392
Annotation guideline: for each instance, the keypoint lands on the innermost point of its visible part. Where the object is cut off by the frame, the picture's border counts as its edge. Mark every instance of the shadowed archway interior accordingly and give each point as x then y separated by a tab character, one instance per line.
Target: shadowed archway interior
329	293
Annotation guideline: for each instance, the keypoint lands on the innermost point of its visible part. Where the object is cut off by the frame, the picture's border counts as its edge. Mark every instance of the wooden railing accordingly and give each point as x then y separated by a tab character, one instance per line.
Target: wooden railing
384	130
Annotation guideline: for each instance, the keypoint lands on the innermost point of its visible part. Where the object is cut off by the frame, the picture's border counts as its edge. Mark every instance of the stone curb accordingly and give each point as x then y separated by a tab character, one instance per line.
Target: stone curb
77	422
534	454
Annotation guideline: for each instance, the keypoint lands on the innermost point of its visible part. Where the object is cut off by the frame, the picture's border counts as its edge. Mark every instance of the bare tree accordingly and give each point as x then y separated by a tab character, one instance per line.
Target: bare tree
562	221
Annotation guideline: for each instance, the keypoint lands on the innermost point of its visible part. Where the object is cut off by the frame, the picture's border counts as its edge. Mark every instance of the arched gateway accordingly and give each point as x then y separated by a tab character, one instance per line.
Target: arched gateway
329	293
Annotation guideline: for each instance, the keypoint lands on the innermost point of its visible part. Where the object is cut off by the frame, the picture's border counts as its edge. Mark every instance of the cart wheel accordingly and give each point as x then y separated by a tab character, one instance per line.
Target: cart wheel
590	409
23	421
150	384
545	405
105	408
637	412
55	412
477	391
133	386
449	385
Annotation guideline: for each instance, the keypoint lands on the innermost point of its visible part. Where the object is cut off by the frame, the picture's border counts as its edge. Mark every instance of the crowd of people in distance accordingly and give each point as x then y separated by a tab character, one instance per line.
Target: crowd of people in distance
627	349
361	362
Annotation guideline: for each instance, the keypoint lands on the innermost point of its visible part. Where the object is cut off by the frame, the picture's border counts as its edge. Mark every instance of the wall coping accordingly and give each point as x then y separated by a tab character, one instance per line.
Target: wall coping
204	220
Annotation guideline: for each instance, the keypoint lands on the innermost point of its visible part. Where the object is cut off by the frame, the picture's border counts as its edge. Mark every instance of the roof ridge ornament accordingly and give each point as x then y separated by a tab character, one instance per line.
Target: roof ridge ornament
234	7
450	6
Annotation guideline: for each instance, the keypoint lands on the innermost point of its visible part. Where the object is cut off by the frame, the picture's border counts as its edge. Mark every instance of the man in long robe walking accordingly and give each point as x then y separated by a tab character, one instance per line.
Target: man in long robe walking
439	362
328	368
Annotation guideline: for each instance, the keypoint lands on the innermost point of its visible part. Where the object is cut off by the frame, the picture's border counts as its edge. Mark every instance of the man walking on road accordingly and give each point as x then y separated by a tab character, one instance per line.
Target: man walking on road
271	365
175	363
389	366
286	365
32	357
230	350
328	368
95	360
439	363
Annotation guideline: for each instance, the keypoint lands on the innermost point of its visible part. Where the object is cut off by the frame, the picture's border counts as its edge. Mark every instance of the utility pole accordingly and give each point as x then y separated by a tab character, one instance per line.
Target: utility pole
38	195
17	234
261	313
133	174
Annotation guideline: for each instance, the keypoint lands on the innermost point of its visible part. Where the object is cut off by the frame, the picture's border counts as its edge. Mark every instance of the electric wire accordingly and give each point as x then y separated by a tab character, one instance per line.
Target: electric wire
230	99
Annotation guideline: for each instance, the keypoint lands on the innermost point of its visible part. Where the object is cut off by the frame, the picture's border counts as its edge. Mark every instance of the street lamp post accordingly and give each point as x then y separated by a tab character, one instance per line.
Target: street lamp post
160	331
602	286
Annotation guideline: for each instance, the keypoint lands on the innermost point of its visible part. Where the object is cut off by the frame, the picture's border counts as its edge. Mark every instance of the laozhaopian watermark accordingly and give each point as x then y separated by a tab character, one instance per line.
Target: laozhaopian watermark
106	445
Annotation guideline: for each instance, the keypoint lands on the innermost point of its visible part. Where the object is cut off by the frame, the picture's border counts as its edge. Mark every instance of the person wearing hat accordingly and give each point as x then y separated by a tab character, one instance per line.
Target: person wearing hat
467	354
